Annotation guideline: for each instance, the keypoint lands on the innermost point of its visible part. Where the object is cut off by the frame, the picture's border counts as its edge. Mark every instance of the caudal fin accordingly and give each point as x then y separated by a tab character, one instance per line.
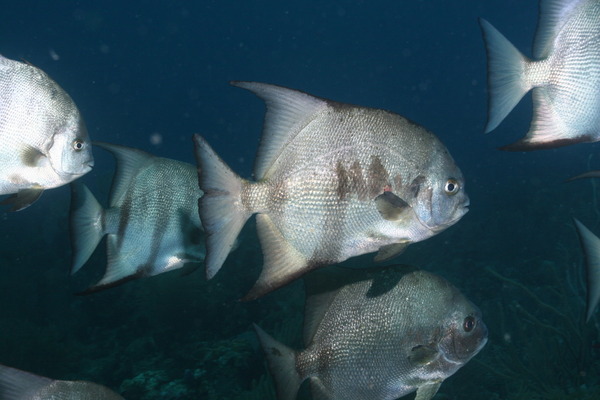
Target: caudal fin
506	75
591	249
220	208
86	218
282	365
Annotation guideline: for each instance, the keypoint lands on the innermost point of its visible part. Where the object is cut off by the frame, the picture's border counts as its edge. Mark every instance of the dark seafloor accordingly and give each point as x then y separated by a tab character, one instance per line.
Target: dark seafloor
150	74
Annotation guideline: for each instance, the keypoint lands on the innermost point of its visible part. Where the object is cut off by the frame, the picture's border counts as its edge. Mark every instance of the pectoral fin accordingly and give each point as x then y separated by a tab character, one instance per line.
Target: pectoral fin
426	392
23	199
423	354
390	251
391	207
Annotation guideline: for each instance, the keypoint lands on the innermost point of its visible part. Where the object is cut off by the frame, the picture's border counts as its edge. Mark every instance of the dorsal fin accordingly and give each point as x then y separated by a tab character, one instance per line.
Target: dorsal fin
129	162
288	112
323	285
17	384
553	15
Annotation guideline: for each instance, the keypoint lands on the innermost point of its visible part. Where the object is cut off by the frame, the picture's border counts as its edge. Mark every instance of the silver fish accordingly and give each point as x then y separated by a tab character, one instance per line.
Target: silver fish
20	385
564	76
152	222
591	248
334	181
43	140
379	337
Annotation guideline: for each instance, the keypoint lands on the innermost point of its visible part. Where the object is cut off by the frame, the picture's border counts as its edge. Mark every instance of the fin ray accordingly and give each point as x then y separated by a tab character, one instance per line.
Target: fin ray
506	73
86	217
288	111
282	262
552	15
129	162
219	208
282	365
17	384
22	199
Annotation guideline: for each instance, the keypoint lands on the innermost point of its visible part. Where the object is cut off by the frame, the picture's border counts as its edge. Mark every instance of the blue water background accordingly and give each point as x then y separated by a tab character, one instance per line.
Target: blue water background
157	69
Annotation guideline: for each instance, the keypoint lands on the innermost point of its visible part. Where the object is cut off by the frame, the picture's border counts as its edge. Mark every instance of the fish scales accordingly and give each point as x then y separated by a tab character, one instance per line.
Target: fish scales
312	172
20	385
333	181
386	334
43	139
152	223
564	76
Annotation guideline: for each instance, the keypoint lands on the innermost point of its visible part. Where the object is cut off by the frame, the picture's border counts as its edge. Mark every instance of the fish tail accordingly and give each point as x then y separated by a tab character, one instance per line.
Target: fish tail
282	365
220	208
591	248
86	218
507	78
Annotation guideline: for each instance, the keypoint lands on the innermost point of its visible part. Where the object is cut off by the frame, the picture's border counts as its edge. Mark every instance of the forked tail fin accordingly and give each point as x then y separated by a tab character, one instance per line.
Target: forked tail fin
506	75
282	365
220	208
86	218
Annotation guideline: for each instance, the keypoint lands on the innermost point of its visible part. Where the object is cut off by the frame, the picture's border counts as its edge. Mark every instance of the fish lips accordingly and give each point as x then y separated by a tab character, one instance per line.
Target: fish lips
85	168
458	213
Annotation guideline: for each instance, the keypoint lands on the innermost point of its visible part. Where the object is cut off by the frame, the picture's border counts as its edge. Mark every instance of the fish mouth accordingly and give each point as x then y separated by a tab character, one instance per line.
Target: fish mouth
85	168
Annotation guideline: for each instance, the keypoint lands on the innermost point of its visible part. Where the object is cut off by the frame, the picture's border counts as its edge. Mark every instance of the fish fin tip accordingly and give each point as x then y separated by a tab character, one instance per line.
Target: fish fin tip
551	15
423	354
589	174
391	207
390	251
109	281
85	223
281	361
129	162
506	72
428	390
288	111
22	199
590	244
282	262
17	384
219	208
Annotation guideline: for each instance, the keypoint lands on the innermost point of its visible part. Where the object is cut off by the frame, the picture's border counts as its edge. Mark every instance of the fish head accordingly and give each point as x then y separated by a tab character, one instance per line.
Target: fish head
465	333
440	197
70	151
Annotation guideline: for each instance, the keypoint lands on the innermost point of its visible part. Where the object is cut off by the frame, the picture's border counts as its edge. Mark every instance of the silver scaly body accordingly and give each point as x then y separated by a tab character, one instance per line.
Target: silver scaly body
43	139
564	76
333	181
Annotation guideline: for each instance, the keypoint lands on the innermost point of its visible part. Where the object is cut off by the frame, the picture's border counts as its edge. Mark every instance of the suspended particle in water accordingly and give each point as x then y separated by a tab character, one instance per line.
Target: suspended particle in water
156	138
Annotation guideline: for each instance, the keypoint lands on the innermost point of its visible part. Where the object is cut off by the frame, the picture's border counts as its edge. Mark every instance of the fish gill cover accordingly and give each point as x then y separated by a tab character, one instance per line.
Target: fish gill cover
149	75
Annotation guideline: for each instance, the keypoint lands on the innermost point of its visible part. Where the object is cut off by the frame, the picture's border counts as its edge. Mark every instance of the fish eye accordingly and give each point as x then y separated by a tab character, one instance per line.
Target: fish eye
469	323
451	187
78	145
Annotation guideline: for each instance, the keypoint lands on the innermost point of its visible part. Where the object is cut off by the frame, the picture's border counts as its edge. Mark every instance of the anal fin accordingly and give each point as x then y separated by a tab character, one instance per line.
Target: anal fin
23	199
282	262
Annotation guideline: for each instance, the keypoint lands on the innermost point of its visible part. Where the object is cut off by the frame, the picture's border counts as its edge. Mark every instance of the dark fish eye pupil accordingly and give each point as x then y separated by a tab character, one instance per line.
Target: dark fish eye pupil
451	186
77	144
469	324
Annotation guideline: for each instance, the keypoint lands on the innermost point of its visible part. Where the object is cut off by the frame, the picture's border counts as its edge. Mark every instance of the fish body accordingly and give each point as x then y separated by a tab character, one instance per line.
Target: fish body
333	181
20	385
43	140
564	75
380	337
152	221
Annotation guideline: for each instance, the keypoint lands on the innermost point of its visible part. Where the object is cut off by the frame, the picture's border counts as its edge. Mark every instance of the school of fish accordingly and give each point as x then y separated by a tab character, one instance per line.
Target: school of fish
332	181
